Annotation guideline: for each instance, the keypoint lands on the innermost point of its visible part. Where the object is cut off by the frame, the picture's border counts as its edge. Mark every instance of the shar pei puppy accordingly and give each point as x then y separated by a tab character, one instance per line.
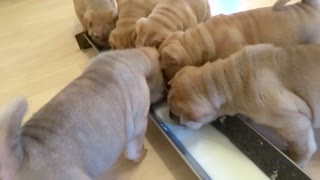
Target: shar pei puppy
223	35
130	11
277	87
98	17
170	16
83	130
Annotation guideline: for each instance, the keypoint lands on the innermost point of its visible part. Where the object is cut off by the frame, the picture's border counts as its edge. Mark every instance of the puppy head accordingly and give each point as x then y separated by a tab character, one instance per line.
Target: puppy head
99	24
148	34
173	55
188	99
154	76
173	52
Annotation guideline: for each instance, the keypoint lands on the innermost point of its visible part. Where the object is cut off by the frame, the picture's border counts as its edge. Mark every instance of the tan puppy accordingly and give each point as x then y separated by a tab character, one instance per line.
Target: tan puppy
223	35
276	87
98	17
123	36
170	16
82	131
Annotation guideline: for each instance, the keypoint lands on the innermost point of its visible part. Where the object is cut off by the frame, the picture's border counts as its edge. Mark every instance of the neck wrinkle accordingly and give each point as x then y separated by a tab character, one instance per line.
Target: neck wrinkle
223	87
199	45
235	81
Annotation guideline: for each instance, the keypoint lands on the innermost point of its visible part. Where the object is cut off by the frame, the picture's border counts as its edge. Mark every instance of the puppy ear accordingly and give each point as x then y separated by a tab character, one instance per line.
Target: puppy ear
169	57
87	18
111	42
171	37
134	36
140	23
157	43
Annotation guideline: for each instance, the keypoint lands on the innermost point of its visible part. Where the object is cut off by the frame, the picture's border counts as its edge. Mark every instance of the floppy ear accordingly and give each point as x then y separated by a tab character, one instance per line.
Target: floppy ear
171	37
157	43
87	17
111	40
134	36
11	150
140	23
169	57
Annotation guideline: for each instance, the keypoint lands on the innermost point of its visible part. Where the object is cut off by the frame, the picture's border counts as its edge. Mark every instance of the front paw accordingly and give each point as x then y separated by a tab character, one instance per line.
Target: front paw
142	155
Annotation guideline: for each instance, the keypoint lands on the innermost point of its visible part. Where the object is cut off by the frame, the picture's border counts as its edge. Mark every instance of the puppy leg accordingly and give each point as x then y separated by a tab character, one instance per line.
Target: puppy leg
135	149
297	130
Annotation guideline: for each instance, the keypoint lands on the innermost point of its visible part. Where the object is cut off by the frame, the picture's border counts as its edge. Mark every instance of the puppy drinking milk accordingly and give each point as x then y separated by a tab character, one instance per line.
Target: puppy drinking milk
275	87
169	16
130	11
98	17
223	35
82	131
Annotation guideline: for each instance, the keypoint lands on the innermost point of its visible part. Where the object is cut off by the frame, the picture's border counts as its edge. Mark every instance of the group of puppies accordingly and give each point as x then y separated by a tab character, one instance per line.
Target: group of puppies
213	69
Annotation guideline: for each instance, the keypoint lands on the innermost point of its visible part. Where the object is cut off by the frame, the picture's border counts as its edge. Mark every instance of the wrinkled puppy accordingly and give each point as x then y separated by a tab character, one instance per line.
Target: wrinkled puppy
98	17
169	16
82	131
130	11
275	87
223	35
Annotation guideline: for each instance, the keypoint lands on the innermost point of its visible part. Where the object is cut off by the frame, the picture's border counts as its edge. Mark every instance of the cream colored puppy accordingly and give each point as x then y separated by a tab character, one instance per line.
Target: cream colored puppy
123	36
98	17
83	130
169	16
275	87
223	35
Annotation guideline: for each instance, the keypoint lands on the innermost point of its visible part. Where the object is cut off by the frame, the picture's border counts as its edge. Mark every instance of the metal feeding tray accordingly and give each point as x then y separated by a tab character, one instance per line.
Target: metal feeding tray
228	149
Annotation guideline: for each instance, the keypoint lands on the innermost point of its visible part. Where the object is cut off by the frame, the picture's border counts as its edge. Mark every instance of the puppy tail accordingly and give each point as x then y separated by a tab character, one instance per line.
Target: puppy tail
281	4
11	150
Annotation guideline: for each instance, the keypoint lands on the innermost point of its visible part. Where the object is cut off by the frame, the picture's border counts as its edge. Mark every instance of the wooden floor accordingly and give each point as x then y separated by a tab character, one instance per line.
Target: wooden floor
39	56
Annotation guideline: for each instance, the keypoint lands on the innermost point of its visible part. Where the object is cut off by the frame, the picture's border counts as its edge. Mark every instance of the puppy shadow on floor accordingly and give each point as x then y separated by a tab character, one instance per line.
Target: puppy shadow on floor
170	157
161	162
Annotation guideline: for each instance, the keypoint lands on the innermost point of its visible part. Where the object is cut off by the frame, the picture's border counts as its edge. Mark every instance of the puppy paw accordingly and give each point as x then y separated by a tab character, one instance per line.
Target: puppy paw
135	154
142	155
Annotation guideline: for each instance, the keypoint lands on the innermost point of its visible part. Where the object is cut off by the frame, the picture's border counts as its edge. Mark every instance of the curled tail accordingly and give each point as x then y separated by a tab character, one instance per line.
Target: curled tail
11	150
280	4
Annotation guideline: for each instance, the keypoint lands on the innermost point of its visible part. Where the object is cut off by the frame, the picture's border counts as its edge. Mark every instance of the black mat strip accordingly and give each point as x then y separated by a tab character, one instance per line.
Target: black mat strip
85	42
268	158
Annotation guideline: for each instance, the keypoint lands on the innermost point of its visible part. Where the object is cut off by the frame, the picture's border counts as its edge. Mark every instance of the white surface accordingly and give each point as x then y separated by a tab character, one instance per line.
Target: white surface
233	6
213	151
